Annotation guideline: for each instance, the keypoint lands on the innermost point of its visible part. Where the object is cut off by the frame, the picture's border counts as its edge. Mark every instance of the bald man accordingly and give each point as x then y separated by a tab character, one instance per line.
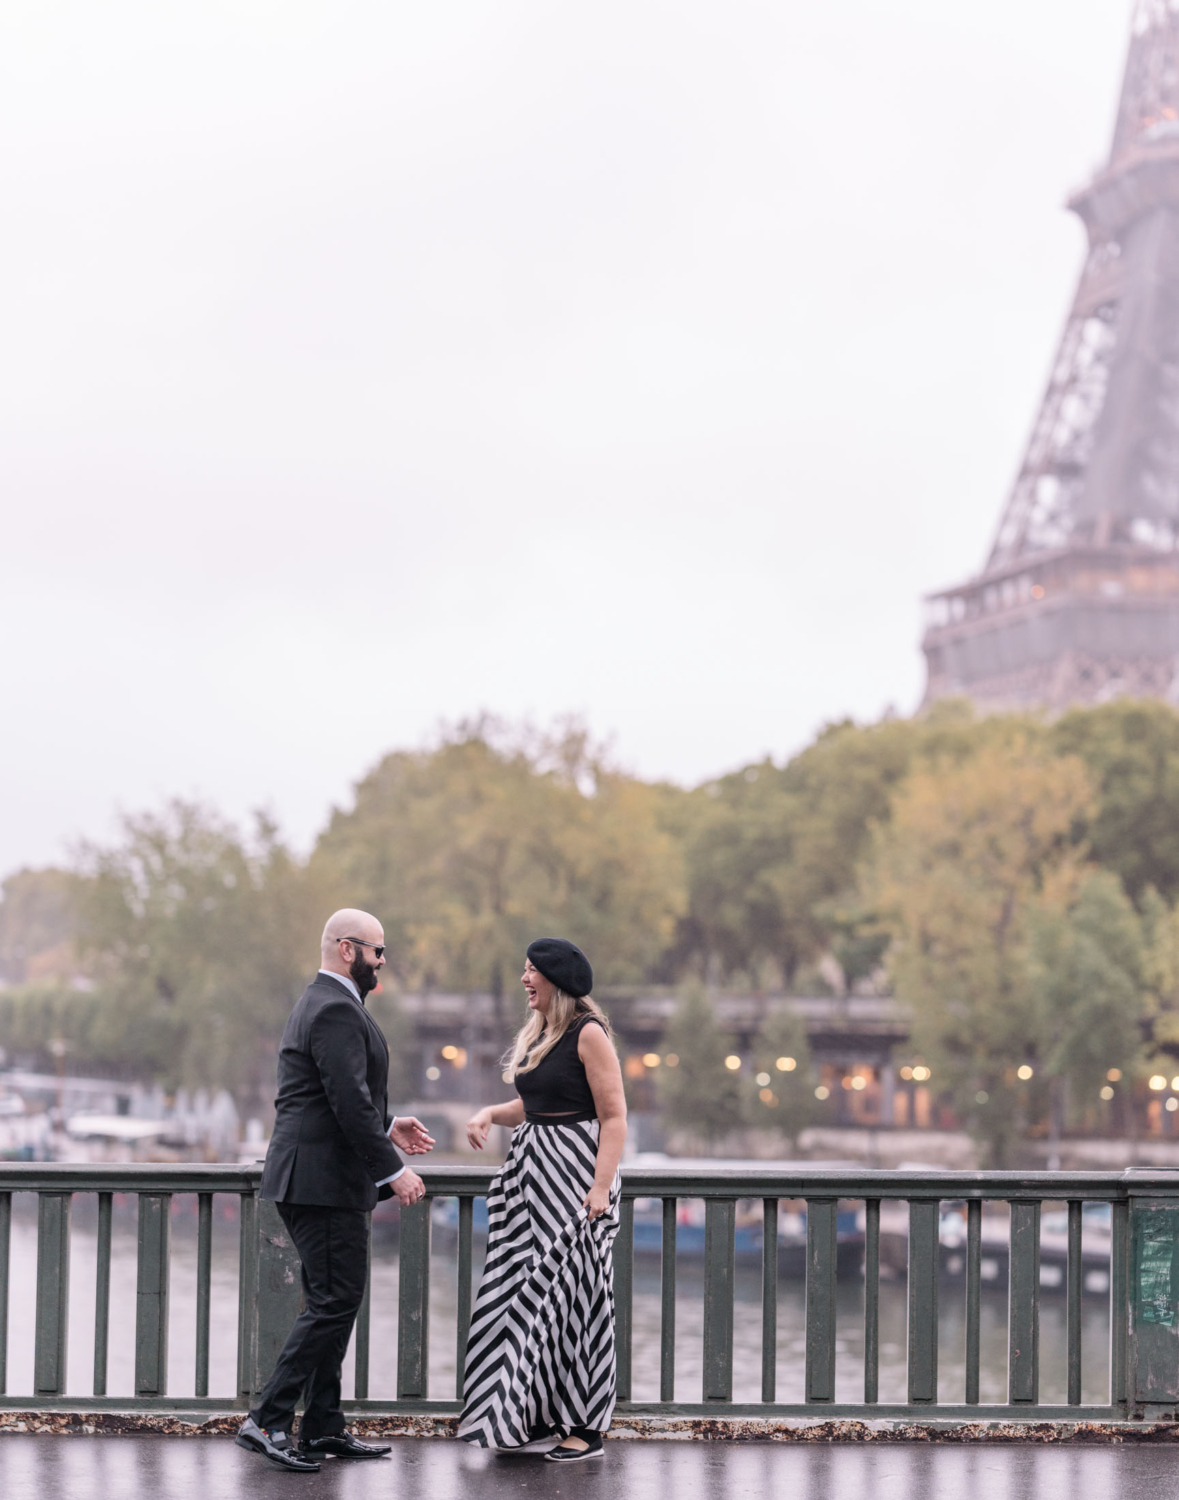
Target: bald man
332	1155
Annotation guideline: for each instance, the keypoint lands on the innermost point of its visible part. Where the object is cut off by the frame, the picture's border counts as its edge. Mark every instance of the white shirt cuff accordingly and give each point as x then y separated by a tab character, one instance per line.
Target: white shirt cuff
394	1177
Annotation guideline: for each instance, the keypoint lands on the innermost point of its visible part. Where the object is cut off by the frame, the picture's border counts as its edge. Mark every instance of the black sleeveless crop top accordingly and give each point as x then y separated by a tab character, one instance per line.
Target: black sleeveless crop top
558	1084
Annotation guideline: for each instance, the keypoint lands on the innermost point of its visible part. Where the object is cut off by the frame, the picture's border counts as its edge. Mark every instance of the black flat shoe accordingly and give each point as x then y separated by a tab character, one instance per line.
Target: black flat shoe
575	1455
341	1445
276	1446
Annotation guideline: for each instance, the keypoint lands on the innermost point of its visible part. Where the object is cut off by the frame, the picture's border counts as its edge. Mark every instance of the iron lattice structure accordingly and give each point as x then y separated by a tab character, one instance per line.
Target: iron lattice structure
1079	598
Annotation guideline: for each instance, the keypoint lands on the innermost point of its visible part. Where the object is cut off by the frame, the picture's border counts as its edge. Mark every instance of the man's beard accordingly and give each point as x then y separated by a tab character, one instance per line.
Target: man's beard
364	974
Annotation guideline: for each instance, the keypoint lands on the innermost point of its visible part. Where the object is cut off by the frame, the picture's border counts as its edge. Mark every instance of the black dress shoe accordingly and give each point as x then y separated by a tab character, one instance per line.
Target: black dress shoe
593	1448
341	1445
276	1446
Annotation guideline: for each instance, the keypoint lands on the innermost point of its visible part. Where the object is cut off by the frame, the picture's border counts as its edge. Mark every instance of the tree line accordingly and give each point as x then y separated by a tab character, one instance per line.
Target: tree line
1012	881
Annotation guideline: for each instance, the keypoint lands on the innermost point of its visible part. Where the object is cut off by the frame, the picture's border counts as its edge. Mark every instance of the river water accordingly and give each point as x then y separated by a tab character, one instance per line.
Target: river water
383	1346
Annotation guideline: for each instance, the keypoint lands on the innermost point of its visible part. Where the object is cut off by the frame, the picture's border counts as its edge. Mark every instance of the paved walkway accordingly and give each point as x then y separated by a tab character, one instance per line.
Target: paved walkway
163	1468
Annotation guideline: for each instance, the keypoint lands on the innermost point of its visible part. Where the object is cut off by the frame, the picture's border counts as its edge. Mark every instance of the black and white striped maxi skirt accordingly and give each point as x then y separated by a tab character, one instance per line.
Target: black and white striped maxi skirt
540	1358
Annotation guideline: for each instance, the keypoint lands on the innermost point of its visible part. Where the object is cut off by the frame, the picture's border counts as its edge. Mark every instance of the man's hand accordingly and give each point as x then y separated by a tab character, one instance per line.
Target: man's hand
408	1188
410	1135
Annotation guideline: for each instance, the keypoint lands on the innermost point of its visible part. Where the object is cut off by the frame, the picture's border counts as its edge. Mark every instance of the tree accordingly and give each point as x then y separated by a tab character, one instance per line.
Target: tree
1131	750
772	853
200	941
1005	940
782	1051
698	1093
38	924
470	850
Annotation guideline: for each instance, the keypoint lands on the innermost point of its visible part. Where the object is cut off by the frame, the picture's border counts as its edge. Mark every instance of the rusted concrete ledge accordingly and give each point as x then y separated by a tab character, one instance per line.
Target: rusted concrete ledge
678	1429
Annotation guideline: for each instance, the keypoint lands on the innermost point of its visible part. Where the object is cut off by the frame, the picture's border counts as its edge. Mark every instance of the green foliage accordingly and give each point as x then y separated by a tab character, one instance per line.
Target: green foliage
1009	948
700	1095
200	941
791	1105
1131	749
469	851
1017	879
38	919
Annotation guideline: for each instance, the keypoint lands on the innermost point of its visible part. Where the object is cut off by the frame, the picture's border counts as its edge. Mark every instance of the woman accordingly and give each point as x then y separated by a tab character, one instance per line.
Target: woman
541	1354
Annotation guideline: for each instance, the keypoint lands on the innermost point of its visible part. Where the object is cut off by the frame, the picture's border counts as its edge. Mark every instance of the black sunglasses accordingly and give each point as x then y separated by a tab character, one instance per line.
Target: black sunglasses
378	948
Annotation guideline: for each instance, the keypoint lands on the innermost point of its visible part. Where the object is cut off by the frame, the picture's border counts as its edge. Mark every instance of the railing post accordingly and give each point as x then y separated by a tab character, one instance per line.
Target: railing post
973	1298
413	1301
269	1293
720	1224
466	1234
280	1290
871	1301
821	1252
203	1289
1153	1376
624	1265
769	1299
363	1330
247	1296
1023	1339
102	1292
1120	1373
53	1294
667	1302
151	1294
924	1242
5	1230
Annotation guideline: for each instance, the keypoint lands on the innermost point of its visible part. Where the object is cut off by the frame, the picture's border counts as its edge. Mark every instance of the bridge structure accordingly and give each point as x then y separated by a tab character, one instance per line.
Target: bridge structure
1140	1346
854	1040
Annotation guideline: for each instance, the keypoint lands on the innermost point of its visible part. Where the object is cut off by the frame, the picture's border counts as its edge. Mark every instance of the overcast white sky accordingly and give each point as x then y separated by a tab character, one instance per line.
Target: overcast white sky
366	364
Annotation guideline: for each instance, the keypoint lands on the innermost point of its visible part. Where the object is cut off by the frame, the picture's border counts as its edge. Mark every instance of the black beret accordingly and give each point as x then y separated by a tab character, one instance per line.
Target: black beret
563	964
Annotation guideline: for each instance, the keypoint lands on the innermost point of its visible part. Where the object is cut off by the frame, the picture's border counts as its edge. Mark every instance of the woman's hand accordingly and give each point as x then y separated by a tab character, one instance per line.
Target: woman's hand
596	1202
478	1127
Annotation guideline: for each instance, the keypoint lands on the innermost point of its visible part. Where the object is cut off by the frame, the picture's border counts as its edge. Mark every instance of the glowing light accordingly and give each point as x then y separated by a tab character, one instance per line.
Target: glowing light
920	1072
1172	1104
786	1065
672	1060
822	1092
1037	590
767	1096
433	1074
651	1059
1024	1071
763	1080
1157	1082
859	1082
1114	1074
981	1097
1106	1092
450	1053
732	1062
906	1073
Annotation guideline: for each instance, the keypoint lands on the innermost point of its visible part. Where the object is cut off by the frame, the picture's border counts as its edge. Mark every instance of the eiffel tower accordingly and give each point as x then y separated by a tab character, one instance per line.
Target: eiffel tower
1079	598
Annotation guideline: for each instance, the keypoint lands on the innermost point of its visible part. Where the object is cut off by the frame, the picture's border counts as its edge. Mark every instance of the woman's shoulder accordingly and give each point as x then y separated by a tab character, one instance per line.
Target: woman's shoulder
582	1029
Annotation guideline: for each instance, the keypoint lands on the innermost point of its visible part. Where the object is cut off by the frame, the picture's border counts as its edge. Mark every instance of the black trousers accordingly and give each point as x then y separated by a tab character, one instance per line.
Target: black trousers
333	1246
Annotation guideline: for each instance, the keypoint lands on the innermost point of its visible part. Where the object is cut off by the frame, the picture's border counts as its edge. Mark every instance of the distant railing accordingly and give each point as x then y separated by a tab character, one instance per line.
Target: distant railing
1143	1287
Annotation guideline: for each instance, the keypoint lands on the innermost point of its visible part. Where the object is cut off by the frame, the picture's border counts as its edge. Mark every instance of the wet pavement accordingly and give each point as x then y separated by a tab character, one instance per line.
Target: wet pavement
165	1468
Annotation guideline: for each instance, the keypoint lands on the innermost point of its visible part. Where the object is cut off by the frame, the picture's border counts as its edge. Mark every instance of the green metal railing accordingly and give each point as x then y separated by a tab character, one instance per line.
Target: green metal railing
1144	1287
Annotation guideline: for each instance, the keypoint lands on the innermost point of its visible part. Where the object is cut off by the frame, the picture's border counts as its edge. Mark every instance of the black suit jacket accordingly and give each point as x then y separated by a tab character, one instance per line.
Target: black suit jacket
330	1144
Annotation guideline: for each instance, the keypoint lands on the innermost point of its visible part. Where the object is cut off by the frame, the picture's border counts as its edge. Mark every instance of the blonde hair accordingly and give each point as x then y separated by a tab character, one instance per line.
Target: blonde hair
537	1037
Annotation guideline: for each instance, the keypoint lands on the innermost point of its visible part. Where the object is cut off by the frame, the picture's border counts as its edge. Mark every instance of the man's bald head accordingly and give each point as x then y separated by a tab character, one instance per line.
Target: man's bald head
348	946
348	922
